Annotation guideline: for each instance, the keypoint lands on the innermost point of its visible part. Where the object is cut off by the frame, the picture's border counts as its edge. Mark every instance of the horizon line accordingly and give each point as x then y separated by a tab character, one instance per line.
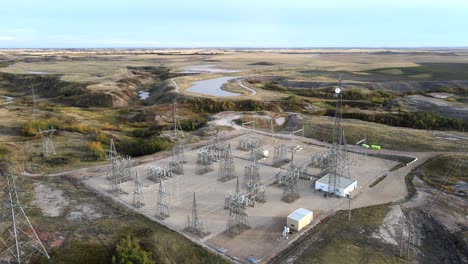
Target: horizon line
239	48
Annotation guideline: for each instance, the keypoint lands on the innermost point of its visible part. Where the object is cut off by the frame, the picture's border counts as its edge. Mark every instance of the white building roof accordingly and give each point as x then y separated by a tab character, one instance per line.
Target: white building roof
342	182
299	214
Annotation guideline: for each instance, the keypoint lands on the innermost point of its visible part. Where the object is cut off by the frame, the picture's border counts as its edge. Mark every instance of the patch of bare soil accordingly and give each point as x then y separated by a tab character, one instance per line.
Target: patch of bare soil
82	212
439	106
390	230
50	200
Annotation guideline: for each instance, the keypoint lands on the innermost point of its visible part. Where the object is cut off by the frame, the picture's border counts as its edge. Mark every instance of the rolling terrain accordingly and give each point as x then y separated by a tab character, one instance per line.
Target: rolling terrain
405	100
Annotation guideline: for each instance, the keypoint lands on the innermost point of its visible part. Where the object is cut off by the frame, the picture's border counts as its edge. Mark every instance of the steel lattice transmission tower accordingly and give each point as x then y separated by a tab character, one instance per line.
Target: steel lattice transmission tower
194	225
279	155
340	164
162	207
176	163
226	166
48	148
255	189
119	172
205	159
19	240
237	218
112	153
288	179
177	131
138	197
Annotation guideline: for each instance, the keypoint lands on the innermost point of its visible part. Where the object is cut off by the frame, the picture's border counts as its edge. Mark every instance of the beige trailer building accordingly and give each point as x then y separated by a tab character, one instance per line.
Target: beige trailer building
299	219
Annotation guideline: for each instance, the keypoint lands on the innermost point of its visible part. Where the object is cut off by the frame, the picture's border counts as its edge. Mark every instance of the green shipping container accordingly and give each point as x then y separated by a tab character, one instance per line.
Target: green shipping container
365	146
375	147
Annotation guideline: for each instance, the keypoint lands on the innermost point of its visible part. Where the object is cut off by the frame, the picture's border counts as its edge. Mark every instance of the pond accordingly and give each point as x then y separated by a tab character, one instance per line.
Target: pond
211	68
280	120
8	99
38	72
143	95
213	86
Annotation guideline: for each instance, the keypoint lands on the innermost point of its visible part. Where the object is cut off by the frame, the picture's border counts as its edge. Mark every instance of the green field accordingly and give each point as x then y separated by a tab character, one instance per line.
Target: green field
387	137
435	71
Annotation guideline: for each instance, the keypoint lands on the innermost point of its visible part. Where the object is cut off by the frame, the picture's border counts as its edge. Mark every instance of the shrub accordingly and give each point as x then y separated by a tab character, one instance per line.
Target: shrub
146	132
192	124
141	147
128	251
95	150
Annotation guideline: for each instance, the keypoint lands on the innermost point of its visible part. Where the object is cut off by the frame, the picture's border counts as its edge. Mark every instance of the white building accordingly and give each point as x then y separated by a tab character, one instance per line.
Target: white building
299	219
344	186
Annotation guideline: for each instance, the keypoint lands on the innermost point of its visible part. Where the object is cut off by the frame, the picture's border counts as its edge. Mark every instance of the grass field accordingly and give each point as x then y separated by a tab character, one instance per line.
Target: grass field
435	71
89	226
388	137
338	240
447	171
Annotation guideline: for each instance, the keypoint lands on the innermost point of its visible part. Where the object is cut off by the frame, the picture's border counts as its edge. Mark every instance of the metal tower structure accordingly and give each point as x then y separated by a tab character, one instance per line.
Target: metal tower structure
323	160
288	179
340	165
119	172
249	141
162	207
226	166
48	148
194	225
251	170
296	146
19	239
290	191
205	159
138	197
157	174
255	189
237	218
176	163
279	155
218	145
112	153
177	131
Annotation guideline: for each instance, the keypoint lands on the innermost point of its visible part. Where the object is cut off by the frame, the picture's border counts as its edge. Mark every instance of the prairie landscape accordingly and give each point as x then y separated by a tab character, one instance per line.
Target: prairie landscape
413	103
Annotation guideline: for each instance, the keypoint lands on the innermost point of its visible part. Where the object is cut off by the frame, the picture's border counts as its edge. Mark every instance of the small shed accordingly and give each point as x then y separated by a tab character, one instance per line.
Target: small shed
299	219
344	186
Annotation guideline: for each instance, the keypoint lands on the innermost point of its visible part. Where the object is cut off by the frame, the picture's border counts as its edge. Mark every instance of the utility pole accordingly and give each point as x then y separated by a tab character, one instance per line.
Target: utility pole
349	207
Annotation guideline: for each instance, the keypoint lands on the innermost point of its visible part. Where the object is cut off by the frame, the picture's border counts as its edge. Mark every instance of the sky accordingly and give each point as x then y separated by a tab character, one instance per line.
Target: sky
235	23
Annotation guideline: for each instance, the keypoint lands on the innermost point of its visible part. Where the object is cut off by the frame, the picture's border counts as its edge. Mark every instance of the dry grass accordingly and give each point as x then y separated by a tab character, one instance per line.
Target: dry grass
388	137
